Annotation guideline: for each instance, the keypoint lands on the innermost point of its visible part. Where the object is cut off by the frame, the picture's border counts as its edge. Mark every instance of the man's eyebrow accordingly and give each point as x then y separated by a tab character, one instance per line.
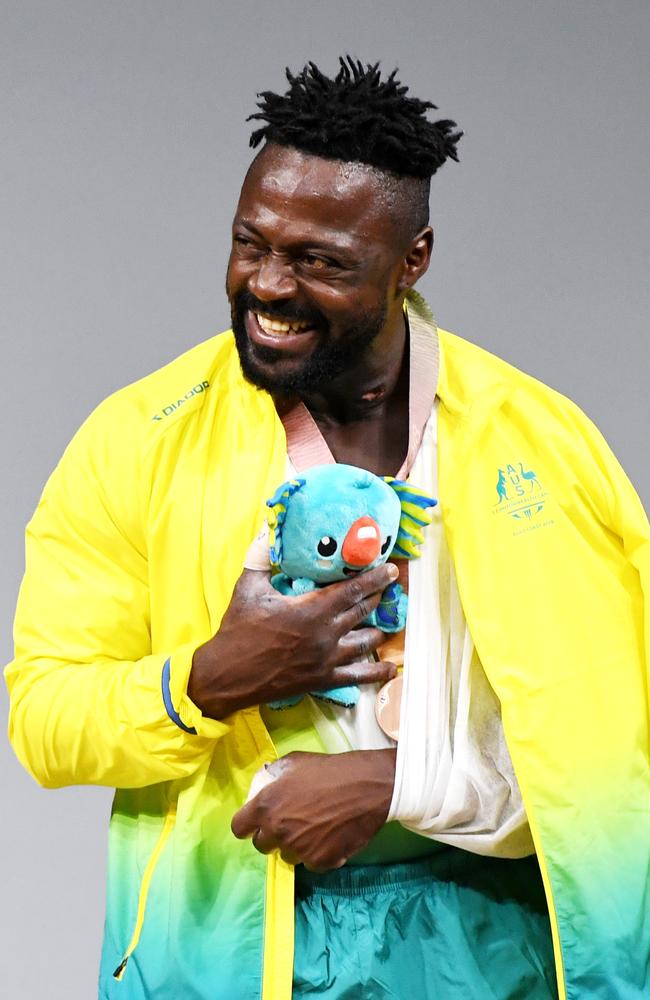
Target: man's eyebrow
247	225
333	249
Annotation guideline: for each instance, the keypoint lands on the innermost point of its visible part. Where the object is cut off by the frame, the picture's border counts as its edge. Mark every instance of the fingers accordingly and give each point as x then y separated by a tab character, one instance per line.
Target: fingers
264	842
253	582
349	594
257	557
358	644
362	673
357	614
330	867
245	822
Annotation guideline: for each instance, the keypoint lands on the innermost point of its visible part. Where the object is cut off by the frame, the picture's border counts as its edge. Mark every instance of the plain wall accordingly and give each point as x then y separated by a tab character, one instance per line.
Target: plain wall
124	143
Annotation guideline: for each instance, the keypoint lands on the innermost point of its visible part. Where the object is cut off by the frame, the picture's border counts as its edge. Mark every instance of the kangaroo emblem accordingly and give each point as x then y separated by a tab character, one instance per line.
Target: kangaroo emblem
501	486
530	476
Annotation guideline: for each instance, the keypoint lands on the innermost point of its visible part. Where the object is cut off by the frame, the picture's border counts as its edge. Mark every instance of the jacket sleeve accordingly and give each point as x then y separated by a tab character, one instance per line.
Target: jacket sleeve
624	514
632	522
87	699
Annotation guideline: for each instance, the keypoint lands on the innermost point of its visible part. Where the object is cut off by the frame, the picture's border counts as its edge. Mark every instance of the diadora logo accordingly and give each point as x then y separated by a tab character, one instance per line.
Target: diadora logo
196	390
521	496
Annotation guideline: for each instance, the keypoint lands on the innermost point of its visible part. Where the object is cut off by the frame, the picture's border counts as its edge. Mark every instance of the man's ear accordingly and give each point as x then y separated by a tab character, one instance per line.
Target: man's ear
417	259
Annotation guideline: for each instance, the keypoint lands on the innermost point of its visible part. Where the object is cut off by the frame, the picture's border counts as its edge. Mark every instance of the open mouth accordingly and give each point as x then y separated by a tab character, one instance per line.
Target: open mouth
292	336
351	572
271	325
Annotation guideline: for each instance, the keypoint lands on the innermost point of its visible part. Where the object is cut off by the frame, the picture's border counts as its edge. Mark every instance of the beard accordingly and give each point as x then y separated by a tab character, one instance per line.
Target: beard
327	362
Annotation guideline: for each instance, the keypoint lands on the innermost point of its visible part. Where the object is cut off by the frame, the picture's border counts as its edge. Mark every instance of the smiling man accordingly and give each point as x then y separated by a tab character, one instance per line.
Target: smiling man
492	840
317	277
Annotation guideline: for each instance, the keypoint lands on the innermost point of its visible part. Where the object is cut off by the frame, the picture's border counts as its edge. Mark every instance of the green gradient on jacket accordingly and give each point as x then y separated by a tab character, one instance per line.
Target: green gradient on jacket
141	534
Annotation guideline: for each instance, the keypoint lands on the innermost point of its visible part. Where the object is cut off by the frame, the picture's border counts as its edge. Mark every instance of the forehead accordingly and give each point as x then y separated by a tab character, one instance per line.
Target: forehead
343	200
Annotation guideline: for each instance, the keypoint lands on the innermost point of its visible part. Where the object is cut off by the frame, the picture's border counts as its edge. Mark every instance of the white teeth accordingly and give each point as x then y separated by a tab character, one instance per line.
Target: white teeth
278	326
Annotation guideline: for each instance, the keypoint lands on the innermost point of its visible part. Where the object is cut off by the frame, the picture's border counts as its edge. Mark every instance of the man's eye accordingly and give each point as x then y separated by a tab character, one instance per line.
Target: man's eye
317	263
245	243
245	249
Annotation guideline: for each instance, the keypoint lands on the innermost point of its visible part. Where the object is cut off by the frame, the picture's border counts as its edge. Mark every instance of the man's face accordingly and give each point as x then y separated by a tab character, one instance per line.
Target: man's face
313	271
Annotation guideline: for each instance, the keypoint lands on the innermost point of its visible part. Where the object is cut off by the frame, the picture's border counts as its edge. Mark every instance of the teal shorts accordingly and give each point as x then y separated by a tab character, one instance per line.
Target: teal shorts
454	926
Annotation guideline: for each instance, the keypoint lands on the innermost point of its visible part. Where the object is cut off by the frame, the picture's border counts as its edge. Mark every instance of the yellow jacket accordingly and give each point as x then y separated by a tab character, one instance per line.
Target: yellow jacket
132	556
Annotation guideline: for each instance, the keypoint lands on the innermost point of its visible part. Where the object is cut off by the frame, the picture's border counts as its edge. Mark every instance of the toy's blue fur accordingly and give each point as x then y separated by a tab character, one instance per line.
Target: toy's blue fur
320	508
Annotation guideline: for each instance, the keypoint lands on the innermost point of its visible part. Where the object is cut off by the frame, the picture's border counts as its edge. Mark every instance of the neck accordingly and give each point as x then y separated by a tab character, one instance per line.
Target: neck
368	388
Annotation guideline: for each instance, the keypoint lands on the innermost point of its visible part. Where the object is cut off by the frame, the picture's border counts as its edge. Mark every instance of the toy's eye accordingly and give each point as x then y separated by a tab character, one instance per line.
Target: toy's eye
327	546
385	547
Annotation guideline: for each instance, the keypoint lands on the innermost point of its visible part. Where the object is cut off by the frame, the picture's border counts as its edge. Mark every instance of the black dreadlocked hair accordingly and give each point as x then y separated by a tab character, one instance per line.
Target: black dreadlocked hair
356	117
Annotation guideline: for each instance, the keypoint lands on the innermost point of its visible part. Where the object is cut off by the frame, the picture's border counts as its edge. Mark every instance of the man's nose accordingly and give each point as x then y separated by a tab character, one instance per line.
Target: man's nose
273	279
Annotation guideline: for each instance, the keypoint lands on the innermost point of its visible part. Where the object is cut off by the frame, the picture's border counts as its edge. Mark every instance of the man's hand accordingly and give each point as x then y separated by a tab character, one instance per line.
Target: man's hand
269	646
320	809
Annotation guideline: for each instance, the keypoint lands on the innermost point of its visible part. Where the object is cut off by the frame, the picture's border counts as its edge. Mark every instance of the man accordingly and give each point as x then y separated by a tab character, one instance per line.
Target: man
146	658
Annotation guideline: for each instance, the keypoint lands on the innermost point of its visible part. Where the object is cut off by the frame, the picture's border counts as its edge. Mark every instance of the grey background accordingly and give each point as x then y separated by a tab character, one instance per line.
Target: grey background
123	146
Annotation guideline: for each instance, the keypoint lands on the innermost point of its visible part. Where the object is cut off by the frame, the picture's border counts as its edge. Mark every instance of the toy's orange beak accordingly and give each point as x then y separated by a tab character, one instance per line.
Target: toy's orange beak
362	544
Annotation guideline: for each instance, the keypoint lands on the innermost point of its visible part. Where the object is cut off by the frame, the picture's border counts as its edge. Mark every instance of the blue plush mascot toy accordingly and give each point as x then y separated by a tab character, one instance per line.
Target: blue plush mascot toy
336	521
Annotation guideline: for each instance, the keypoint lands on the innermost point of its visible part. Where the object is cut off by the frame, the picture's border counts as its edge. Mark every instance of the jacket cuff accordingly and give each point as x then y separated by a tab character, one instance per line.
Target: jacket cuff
179	707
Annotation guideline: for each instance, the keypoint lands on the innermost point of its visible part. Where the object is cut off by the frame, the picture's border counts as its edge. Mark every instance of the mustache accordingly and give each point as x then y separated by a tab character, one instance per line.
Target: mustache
287	311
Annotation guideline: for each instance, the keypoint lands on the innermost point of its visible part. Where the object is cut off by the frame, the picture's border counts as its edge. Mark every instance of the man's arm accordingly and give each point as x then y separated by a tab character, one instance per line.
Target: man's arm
269	646
320	809
89	702
86	690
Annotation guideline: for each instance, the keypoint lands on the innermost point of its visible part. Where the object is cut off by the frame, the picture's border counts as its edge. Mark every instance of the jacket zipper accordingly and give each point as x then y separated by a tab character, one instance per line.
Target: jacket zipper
168	826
